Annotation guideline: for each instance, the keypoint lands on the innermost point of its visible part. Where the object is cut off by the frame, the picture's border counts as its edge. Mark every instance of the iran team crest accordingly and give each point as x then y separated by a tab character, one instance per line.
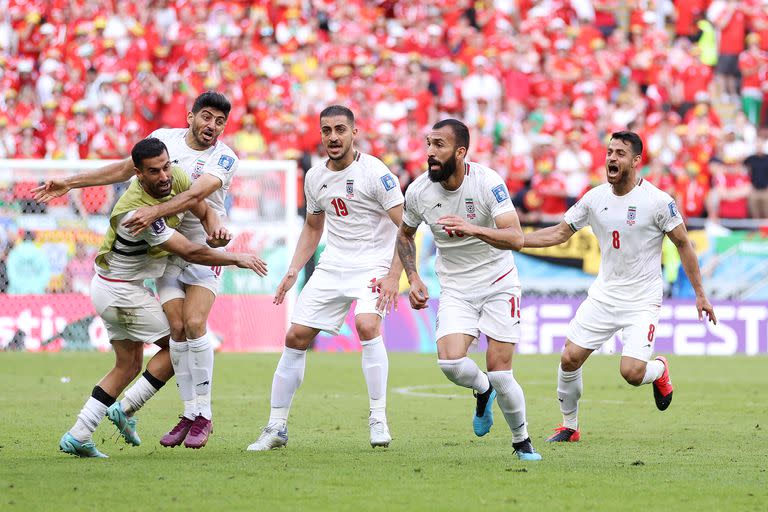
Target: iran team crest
199	164
470	204
350	189
631	215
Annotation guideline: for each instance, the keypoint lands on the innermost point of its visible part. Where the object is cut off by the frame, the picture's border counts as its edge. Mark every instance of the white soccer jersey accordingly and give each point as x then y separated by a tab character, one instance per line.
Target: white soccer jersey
465	264
218	160
128	260
355	201
630	230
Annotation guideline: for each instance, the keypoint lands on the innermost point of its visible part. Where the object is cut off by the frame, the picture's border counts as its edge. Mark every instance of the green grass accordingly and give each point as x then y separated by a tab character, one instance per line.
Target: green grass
709	451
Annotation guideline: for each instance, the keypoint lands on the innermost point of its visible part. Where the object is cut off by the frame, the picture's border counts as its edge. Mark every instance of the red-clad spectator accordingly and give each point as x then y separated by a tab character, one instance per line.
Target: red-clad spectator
686	14
731	18
692	189
29	145
732	188
751	63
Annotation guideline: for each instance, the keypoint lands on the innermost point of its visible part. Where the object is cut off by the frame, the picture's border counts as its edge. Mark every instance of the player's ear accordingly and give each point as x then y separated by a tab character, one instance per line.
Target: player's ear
190	117
461	152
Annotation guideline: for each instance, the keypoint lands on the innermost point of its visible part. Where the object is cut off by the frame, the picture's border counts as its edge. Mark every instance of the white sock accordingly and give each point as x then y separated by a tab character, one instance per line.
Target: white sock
375	370
201	368
141	391
288	377
180	362
653	370
569	388
465	372
511	400
91	414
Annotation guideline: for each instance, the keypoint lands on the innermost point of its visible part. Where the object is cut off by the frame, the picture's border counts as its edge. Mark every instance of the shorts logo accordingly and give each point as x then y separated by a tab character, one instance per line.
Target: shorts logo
501	193
388	181
158	226
631	215
673	209
470	204
350	189
226	162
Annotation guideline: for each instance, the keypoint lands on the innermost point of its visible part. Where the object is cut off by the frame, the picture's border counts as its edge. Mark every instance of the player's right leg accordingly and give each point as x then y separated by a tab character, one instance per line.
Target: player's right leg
288	377
593	325
128	360
457	329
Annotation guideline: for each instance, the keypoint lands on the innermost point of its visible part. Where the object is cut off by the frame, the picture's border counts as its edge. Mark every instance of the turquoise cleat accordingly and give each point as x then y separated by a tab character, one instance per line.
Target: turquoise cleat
125	424
525	451
483	420
69	444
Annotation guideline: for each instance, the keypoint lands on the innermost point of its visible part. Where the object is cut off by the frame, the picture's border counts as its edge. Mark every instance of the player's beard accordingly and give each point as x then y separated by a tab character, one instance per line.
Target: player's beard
444	172
341	156
620	177
159	189
197	134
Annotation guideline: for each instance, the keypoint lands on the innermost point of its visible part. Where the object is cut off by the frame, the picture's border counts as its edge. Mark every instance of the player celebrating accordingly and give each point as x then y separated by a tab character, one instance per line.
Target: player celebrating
474	223
629	217
187	291
130	311
362	202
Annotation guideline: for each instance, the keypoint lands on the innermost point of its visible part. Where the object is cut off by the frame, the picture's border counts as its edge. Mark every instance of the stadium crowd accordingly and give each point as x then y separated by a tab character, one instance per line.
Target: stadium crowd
541	83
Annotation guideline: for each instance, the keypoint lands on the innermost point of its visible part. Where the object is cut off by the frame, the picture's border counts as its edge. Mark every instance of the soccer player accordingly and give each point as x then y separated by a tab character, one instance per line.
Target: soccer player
629	216
131	313
475	225
362	203
187	291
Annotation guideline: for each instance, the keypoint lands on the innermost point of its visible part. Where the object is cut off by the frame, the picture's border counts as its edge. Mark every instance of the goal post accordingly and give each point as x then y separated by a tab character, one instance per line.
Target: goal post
62	237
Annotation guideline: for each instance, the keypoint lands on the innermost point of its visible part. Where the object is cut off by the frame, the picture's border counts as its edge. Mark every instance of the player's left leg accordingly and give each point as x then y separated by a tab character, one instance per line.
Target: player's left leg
636	365
128	359
197	306
510	396
375	370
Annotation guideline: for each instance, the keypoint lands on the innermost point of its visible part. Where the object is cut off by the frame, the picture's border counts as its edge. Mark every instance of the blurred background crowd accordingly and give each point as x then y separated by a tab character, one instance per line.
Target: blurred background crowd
540	82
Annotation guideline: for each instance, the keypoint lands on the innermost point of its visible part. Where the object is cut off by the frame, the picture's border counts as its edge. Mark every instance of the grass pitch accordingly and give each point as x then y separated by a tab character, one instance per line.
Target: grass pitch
709	451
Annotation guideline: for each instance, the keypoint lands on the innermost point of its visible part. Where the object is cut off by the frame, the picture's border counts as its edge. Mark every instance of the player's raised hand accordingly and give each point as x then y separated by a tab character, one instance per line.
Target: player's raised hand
51	189
387	287
286	284
140	220
252	262
703	306
456	224
418	295
219	238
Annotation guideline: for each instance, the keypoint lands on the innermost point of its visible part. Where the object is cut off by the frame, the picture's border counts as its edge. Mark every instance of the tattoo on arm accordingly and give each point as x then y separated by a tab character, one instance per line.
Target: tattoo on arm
406	248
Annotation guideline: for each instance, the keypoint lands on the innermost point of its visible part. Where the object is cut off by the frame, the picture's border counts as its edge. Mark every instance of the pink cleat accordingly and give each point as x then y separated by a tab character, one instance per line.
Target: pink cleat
177	434
198	434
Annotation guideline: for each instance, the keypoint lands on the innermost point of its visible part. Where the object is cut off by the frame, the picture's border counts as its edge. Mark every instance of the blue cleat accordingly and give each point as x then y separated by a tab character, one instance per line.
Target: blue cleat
125	424
483	420
69	444
525	451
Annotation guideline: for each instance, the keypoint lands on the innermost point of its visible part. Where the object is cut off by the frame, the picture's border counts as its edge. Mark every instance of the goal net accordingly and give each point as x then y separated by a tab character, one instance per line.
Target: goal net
48	252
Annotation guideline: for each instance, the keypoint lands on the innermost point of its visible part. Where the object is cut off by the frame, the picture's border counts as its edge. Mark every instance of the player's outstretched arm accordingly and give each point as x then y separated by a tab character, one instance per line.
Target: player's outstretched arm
506	235
305	248
406	249
218	235
195	253
690	261
111	173
389	285
201	188
547	237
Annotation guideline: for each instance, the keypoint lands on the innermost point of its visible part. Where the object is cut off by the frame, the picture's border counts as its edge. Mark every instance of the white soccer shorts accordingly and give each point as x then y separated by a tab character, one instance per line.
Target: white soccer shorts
497	315
130	311
326	298
178	274
596	322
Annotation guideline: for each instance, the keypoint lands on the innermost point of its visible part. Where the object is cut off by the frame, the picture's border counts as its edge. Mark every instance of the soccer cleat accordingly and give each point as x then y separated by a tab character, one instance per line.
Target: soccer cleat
564	435
379	433
198	433
271	437
125	425
525	451
483	419
662	387
177	434
68	444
